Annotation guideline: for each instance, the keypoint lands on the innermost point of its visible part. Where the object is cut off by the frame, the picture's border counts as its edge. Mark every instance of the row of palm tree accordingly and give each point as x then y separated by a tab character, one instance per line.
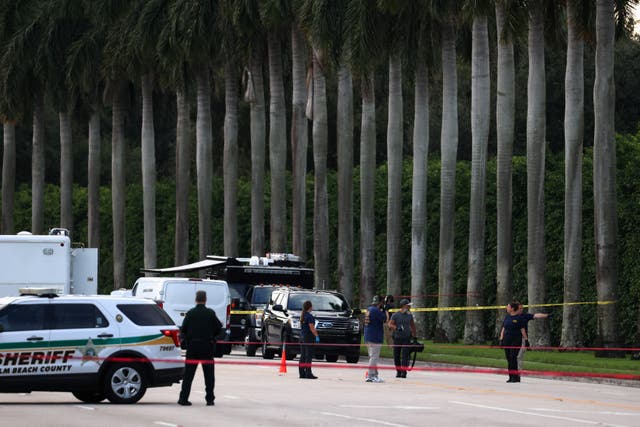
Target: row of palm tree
88	55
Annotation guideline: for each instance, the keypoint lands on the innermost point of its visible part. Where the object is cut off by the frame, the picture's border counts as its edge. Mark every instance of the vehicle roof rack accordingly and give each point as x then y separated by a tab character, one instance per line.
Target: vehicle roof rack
40	292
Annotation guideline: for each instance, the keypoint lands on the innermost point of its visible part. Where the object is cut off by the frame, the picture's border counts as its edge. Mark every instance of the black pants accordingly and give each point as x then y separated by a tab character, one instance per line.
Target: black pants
306	356
195	357
511	354
401	355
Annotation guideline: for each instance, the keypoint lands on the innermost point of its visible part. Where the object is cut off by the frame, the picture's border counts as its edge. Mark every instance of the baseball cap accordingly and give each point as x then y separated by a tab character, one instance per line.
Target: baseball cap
404	302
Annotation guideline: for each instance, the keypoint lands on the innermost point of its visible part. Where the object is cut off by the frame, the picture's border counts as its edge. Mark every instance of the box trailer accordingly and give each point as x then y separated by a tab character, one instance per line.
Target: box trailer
50	261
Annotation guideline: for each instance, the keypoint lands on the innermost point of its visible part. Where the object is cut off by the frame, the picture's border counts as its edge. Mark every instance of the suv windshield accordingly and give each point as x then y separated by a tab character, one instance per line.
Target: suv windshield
261	295
320	302
146	314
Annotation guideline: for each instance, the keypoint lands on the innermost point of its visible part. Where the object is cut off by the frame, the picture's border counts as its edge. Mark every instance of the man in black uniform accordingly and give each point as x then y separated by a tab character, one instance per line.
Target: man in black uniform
199	330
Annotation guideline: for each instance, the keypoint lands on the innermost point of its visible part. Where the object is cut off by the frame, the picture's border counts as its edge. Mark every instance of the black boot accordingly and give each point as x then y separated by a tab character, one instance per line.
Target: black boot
398	374
303	372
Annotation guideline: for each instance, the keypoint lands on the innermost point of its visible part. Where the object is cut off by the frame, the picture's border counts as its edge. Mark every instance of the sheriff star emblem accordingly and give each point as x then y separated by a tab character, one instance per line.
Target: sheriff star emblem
90	352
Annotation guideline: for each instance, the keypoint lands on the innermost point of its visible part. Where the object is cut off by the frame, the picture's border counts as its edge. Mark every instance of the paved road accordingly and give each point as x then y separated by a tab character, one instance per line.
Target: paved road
258	395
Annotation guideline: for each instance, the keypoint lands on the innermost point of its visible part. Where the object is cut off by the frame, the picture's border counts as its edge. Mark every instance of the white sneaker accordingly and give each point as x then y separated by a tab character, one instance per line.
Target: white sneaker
369	379
378	380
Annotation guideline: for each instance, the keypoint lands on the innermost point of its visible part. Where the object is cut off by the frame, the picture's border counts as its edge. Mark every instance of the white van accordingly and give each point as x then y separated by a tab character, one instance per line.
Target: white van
176	295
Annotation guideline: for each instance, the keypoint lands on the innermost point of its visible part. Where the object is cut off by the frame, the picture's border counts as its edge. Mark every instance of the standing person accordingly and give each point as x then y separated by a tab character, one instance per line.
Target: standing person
404	328
199	329
511	336
374	320
308	336
388	305
526	318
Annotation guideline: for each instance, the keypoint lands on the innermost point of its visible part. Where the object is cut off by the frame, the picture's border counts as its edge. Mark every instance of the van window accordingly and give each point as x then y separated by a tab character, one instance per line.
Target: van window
23	317
180	293
146	314
78	316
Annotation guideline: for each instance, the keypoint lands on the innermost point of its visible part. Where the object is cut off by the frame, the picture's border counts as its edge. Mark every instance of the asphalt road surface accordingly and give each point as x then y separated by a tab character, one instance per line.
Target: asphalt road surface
252	392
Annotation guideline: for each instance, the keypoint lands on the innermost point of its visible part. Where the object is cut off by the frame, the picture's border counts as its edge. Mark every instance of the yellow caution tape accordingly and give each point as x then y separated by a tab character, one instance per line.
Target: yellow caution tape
499	307
245	311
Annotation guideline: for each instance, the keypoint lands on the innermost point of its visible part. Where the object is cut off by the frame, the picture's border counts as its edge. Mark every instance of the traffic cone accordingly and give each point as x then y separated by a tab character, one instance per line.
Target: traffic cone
283	361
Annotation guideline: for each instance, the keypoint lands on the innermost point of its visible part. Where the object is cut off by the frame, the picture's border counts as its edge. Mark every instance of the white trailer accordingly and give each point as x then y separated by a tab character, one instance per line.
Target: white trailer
28	261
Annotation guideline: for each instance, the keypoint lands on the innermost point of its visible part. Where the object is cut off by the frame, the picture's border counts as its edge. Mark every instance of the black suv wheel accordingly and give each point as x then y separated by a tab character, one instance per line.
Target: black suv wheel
250	345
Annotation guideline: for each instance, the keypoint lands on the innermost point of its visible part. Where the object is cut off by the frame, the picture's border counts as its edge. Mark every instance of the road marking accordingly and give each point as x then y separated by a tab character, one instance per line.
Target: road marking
227	396
625	414
368	420
415	408
87	408
162	423
496	408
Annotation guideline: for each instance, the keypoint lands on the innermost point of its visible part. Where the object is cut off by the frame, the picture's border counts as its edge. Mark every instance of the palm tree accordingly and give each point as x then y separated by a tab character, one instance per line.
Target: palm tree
275	16
8	175
604	176
299	141
573	135
230	43
362	21
507	11
536	284
480	107
448	148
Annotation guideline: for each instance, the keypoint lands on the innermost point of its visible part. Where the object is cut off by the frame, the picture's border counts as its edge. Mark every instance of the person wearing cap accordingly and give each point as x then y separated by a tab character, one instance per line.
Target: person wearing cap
404	328
374	319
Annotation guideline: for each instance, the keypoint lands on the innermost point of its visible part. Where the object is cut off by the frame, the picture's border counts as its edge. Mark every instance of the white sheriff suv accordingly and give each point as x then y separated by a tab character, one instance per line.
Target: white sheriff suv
95	347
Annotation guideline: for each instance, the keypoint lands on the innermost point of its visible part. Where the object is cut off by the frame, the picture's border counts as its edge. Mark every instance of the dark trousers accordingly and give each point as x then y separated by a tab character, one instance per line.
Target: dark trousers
306	357
191	364
401	355
512	360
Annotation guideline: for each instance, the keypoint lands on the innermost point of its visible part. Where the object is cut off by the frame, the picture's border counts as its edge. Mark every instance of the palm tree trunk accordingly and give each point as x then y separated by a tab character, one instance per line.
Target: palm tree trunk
573	135
394	186
230	163
8	176
183	176
367	190
419	194
604	176
299	143
37	166
66	171
345	181
93	184
258	138
148	167
204	159
539	330
320	199
448	147
480	107
118	193
505	124
277	146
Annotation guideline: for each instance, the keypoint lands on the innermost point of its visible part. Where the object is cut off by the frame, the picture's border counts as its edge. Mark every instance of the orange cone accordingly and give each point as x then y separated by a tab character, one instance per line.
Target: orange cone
283	361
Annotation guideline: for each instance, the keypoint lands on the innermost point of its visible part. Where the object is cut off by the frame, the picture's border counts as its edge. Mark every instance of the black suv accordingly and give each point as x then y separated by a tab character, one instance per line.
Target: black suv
258	297
337	324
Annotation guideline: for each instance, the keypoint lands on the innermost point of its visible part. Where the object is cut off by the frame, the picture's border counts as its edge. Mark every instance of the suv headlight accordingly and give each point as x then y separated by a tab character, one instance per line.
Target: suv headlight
295	323
355	325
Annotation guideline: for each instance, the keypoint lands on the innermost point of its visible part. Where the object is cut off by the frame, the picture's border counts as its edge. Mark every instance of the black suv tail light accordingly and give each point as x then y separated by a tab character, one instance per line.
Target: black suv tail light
173	333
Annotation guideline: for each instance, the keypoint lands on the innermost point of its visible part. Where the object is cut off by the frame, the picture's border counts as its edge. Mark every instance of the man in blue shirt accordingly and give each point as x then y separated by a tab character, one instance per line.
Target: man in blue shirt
373	336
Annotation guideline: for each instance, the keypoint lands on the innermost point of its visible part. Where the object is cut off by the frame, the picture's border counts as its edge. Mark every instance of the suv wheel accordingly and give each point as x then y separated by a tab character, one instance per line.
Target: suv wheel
250	345
89	396
331	358
266	352
353	358
125	383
